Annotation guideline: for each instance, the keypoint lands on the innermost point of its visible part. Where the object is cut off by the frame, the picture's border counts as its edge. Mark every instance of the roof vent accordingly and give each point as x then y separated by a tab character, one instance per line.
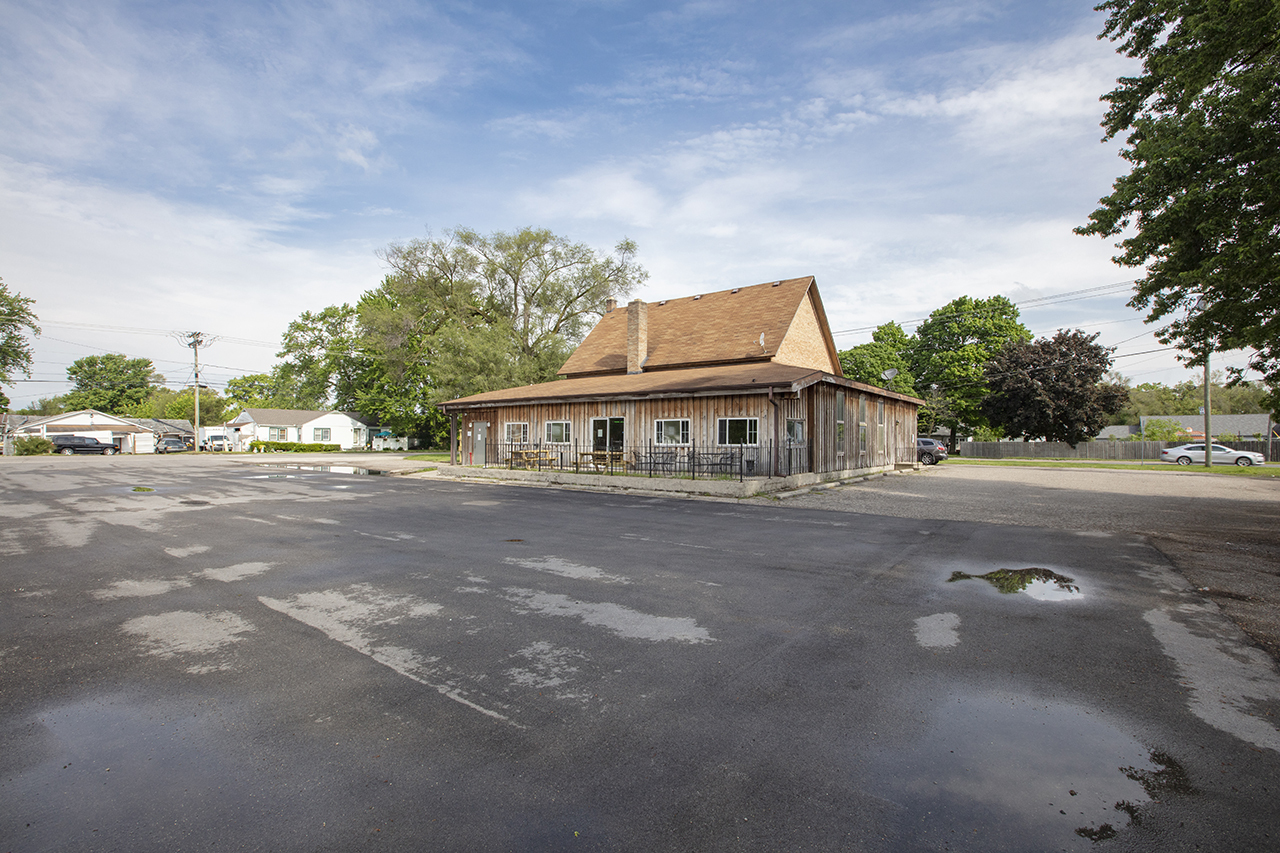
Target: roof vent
699	296
663	302
778	282
735	290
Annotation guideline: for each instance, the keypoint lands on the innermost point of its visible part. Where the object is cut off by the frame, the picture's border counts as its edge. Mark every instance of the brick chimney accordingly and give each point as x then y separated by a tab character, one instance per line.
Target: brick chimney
610	304
637	335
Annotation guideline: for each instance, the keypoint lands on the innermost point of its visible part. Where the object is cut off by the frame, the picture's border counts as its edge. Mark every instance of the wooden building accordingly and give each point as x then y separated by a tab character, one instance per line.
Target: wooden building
745	380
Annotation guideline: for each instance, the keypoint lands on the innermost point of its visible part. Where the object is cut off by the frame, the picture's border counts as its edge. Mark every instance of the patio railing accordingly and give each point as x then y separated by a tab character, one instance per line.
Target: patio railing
692	461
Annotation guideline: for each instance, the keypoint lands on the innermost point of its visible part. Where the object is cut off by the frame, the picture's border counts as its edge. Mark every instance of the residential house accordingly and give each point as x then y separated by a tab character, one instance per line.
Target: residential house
746	379
125	433
345	429
1244	427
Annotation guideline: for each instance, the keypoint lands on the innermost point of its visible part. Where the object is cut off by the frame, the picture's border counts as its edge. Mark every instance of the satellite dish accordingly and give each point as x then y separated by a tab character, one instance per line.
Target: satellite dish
888	375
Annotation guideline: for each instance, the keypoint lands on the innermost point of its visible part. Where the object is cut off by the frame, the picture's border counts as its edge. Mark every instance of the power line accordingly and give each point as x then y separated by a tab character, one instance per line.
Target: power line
1039	302
137	330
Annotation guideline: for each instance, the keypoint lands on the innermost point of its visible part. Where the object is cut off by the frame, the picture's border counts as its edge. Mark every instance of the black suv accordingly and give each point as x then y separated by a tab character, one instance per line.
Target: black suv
930	451
68	445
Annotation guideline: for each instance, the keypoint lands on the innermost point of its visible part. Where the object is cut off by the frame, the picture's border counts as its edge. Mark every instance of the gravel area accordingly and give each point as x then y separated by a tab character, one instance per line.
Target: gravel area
1220	532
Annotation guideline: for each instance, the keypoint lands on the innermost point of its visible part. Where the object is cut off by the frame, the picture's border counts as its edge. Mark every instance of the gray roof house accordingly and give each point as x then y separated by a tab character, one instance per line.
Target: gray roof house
1243	426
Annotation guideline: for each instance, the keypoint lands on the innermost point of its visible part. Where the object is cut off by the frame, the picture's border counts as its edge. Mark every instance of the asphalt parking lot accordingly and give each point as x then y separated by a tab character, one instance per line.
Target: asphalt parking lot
277	659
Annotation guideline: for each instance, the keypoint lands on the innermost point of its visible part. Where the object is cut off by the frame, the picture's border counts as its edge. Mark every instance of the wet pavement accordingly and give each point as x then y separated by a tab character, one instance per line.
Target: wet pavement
295	659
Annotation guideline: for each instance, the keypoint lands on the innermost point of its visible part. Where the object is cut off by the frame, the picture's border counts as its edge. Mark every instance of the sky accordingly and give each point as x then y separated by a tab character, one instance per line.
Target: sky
169	167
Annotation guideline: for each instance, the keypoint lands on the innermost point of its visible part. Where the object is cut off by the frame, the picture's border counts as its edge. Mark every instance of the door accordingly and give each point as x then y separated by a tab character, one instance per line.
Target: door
479	432
607	433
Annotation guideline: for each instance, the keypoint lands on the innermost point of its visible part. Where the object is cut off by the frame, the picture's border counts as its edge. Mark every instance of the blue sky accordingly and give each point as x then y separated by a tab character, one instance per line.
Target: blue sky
176	166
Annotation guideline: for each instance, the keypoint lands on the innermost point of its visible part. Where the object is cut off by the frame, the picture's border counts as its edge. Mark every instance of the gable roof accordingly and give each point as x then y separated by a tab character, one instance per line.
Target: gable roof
82	419
724	327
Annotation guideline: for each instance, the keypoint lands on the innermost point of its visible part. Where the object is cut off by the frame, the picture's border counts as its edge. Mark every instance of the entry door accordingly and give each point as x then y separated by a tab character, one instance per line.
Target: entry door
606	433
479	433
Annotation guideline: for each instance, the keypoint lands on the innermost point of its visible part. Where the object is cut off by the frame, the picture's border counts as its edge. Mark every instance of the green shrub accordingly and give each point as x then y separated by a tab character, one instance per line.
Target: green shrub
32	445
291	447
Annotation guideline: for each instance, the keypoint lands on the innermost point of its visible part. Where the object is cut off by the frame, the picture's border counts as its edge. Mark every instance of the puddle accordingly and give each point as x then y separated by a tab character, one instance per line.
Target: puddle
1005	772
82	767
1041	584
328	469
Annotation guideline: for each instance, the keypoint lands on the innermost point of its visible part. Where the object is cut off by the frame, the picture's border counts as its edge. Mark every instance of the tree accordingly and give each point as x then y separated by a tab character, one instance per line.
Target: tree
45	406
489	312
887	351
1052	388
15	351
321	359
111	383
951	349
261	391
1203	194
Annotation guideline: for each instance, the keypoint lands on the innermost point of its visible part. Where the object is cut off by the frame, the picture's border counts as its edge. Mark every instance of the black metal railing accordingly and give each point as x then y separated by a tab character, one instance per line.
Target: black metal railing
686	461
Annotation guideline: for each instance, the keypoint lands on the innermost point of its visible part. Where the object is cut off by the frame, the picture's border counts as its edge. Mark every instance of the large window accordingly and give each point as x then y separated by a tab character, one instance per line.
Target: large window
319	434
671	432
517	433
738	431
840	425
557	432
277	433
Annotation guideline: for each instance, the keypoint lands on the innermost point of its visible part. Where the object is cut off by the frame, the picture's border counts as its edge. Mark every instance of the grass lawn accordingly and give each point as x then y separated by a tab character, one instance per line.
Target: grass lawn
1150	465
440	456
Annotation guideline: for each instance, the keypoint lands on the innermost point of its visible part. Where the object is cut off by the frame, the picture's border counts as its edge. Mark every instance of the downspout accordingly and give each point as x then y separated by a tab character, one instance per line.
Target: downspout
773	463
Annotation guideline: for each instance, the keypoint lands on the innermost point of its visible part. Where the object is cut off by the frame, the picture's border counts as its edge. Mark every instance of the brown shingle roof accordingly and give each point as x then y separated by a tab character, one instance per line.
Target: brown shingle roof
714	328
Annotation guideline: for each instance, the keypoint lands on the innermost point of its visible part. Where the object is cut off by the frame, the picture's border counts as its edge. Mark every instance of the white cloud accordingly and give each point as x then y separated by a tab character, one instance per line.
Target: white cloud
90	254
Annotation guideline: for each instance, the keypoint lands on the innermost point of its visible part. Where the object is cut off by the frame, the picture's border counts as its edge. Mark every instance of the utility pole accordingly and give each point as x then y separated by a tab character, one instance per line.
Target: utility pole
195	340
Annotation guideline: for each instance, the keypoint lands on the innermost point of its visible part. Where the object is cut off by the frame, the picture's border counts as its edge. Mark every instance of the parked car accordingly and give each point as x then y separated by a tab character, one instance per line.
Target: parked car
216	442
930	451
171	445
69	445
1189	453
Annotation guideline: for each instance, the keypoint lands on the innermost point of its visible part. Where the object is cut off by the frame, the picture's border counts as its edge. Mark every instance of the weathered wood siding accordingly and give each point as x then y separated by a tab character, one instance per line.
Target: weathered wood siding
816	406
639	416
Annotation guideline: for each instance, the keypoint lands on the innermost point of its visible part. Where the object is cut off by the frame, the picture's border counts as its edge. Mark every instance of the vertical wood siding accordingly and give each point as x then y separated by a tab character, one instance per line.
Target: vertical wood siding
815	405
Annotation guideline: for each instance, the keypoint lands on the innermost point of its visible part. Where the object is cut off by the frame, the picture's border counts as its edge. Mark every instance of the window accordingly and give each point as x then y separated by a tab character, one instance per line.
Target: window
839	423
795	432
557	432
319	434
671	432
277	433
738	430
517	433
862	430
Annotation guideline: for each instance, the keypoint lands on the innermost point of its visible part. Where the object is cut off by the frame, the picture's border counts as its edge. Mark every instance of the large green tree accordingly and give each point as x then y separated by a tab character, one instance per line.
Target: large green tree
322	361
261	391
949	355
1200	206
111	383
887	351
491	311
1052	388
15	351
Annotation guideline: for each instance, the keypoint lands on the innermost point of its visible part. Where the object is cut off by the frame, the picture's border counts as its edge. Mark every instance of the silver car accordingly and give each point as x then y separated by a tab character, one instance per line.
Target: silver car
1190	453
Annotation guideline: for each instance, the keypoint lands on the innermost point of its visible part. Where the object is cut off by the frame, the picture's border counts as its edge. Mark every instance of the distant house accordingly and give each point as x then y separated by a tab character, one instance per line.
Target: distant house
1242	426
747	378
345	429
127	434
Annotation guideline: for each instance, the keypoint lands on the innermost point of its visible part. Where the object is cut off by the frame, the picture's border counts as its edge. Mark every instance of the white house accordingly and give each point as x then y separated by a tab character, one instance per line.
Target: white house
127	434
346	429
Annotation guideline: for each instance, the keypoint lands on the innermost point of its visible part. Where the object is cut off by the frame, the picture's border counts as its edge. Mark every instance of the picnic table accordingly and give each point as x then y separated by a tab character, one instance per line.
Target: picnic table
533	458
601	460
